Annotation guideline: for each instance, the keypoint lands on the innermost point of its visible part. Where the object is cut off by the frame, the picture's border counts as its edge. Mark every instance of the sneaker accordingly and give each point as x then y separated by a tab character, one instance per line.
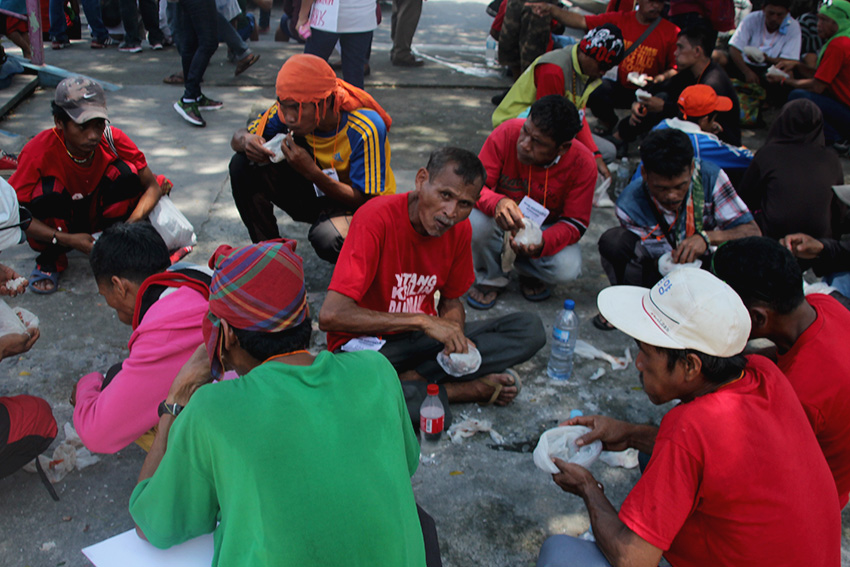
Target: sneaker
157	47
103	44
125	48
493	8
8	161
190	113
61	44
205	103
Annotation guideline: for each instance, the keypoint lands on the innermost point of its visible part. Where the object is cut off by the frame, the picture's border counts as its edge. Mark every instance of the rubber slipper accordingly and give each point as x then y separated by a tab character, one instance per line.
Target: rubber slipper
498	386
601	323
481	305
246	62
174	79
37	275
526	283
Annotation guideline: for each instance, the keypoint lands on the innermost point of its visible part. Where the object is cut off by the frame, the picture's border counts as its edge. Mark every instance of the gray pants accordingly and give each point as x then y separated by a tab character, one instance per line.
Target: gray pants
567	551
487	242
404	21
502	342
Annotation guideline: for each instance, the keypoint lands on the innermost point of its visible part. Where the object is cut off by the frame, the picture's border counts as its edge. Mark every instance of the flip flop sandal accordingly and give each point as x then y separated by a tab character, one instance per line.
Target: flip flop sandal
525	283
243	64
498	386
601	323
483	289
174	79
37	275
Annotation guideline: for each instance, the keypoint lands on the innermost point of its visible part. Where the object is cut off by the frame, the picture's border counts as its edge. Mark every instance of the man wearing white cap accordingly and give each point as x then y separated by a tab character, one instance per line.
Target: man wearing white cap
736	476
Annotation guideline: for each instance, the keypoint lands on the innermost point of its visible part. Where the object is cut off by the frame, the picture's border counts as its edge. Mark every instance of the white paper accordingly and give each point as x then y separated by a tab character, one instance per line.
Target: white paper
324	15
533	210
330	172
363	343
128	550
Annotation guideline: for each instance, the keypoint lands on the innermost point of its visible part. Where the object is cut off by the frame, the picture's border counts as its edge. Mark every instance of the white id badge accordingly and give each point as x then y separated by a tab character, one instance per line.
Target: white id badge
363	343
330	172
533	210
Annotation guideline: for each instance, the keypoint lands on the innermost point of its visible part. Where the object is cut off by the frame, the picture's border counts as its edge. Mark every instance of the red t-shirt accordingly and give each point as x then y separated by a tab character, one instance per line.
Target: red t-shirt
565	188
834	69
549	79
386	266
653	56
620	6
819	371
737	478
45	156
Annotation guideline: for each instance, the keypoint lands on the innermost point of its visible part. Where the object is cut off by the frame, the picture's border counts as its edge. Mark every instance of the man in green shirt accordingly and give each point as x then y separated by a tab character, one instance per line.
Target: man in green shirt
299	462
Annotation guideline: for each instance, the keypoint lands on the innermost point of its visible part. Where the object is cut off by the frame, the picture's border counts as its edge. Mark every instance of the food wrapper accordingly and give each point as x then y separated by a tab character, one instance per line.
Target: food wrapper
530	234
560	443
459	364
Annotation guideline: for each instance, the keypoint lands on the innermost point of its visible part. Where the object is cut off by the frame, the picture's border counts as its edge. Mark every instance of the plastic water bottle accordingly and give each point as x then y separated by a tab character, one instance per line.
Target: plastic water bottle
490	51
431	419
564	337
622	175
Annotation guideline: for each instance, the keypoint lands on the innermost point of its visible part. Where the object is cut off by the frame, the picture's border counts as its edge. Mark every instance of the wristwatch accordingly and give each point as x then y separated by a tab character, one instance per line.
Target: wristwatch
173	409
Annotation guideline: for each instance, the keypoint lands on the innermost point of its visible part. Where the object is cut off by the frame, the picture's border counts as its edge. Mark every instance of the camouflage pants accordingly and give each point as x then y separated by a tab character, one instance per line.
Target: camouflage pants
524	36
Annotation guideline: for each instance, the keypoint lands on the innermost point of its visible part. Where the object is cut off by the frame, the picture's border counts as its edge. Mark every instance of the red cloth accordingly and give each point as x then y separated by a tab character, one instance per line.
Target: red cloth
834	69
549	79
386	266
45	156
568	191
737	478
653	56
620	6
28	415
496	27
819	370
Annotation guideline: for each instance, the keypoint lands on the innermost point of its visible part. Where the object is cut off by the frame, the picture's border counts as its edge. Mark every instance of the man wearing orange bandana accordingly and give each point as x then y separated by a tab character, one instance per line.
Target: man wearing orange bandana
335	156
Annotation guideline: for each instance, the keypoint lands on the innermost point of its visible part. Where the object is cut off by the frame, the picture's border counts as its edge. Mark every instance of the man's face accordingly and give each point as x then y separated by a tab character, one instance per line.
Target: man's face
669	192
299	125
773	17
659	382
686	54
82	139
827	27
444	200
590	66
650	10
533	147
124	304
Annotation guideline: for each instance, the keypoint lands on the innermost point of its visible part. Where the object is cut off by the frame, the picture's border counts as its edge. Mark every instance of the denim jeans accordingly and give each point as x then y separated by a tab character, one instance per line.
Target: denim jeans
58	27
199	40
355	51
149	9
228	34
836	116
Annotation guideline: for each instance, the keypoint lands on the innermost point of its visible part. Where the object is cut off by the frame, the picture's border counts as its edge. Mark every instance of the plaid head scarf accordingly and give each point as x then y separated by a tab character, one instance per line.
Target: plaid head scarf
255	288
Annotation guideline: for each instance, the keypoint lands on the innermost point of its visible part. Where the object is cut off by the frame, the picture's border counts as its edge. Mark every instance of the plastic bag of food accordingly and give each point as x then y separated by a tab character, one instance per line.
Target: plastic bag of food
460	364
273	145
28	318
666	264
754	53
561	443
10	323
530	234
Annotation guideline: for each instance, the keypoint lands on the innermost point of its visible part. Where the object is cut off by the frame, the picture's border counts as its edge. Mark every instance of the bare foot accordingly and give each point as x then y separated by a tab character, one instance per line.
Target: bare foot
484	294
44	285
411	376
481	392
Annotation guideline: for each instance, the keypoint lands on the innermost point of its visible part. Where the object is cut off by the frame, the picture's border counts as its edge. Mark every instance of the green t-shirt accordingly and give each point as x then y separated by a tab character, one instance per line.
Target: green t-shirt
302	465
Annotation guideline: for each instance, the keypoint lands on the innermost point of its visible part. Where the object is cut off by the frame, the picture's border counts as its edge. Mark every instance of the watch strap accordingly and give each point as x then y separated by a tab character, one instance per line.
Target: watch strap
172	409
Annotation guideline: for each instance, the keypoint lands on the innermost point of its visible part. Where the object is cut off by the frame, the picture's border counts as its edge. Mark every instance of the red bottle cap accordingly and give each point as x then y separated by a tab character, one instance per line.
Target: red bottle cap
433	390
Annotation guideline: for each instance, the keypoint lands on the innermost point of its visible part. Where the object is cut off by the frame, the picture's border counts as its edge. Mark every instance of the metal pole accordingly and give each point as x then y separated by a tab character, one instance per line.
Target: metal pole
34	13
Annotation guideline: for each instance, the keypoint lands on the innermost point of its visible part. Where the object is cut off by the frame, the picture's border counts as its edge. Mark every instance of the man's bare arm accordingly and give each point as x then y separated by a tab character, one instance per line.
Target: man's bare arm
452	310
251	145
720	236
150	198
342	314
566	17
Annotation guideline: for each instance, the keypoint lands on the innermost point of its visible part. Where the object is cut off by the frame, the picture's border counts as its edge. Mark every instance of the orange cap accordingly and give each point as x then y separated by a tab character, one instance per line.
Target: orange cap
701	100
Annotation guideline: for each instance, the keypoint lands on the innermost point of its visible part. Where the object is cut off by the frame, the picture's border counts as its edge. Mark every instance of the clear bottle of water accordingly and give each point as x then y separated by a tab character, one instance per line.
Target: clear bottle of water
490	50
622	175
431	420
564	337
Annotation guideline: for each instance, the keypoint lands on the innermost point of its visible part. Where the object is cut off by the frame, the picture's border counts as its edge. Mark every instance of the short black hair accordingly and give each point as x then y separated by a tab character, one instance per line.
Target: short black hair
467	165
761	271
695	119
667	152
700	36
556	117
715	369
134	251
263	345
778	3
59	113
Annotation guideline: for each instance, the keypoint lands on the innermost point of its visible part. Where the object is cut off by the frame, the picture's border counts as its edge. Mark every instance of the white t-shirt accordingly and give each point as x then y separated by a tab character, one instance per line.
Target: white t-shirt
353	16
783	43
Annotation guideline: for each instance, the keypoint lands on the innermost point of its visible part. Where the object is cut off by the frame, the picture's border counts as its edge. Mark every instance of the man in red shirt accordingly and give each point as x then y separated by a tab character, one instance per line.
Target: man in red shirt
736	476
652	58
401	250
828	86
535	169
811	334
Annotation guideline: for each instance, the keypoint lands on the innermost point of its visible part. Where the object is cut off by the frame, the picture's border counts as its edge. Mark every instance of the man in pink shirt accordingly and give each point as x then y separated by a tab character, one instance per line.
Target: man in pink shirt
166	310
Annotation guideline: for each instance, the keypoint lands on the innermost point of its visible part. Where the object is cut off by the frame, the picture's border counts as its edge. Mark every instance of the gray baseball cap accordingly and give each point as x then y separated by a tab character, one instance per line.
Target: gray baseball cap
82	98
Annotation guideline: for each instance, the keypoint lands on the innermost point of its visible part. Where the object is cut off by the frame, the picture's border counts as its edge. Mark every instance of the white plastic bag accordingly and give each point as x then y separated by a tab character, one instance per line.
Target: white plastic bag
28	318
666	265
561	443
172	225
458	364
530	234
273	145
754	53
10	323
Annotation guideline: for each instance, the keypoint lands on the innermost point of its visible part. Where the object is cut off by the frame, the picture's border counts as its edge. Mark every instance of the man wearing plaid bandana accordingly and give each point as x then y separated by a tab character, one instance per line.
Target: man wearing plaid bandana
282	459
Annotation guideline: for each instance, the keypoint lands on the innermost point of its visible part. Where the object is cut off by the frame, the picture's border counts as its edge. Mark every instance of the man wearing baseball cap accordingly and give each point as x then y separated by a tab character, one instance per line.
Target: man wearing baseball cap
283	464
735	476
573	72
78	178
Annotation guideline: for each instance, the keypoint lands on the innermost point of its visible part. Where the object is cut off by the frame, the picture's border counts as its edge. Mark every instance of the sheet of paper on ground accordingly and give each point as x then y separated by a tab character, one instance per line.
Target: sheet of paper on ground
128	550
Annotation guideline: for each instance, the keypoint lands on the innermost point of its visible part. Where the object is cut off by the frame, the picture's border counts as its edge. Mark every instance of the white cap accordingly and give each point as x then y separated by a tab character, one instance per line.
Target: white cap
688	309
